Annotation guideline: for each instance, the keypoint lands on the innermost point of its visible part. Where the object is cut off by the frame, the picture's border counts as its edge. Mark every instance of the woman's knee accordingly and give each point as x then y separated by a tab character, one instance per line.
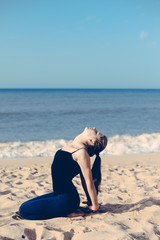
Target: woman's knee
23	210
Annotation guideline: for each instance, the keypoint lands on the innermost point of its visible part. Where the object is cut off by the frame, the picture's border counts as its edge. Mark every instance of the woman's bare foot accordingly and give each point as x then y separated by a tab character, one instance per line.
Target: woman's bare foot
78	213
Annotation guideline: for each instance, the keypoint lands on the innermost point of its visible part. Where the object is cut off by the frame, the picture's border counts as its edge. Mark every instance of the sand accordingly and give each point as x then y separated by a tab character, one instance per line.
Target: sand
129	198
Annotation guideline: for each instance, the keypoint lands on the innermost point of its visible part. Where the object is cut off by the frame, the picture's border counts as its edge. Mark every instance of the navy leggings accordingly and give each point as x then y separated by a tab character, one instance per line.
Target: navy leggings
50	206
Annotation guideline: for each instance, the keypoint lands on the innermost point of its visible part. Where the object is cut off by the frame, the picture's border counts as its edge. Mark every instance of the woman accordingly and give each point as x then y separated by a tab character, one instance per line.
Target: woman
73	159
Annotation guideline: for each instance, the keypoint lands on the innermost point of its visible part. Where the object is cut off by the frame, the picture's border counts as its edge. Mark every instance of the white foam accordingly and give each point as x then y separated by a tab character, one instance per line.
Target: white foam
144	143
117	145
30	149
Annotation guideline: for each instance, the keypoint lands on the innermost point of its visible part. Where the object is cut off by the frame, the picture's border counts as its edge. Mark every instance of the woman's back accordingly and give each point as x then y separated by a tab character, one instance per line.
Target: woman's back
63	169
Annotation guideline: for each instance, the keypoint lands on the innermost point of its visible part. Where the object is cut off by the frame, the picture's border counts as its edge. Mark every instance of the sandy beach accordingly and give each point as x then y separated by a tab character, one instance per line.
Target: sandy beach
129	198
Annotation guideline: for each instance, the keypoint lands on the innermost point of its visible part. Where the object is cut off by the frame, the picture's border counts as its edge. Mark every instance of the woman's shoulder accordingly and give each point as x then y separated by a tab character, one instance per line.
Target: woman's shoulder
81	155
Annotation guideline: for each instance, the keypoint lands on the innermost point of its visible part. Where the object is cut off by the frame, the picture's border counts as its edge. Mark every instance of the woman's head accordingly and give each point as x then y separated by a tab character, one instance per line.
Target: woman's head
96	141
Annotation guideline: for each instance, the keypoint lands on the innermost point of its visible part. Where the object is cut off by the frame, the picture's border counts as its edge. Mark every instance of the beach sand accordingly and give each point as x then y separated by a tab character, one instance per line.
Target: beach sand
129	198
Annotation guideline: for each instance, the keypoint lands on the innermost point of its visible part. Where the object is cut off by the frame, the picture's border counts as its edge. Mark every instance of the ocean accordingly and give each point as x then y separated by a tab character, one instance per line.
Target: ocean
37	122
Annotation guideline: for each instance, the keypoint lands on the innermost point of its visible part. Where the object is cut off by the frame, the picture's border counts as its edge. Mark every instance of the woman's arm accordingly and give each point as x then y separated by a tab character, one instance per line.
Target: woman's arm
84	163
85	190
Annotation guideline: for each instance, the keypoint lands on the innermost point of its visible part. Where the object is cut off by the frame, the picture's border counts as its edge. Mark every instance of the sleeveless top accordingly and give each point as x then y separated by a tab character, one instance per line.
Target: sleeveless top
63	169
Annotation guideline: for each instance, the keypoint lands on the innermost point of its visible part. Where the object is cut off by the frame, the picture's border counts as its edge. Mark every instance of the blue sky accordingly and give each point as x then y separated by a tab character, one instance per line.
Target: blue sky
80	44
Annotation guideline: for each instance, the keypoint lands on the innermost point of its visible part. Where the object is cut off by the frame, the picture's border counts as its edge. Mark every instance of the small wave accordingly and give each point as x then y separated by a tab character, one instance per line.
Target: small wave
30	149
117	145
144	143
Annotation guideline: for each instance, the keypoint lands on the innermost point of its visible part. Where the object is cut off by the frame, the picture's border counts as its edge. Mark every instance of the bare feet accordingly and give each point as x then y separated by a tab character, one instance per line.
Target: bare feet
81	212
78	213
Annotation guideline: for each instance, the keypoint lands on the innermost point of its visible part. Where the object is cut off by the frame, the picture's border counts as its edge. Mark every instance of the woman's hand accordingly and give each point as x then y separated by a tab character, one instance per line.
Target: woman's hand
94	208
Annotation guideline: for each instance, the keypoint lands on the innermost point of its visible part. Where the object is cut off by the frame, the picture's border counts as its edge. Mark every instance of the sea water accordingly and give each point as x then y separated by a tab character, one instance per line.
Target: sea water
37	122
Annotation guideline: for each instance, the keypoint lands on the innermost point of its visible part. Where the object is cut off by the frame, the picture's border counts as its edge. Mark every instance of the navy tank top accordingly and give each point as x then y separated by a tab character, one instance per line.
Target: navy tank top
64	168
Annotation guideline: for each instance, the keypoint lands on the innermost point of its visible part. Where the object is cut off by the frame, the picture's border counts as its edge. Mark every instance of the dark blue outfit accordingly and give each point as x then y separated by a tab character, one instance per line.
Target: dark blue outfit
64	199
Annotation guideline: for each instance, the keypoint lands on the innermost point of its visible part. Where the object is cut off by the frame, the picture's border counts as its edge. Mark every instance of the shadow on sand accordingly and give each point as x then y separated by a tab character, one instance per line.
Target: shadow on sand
121	208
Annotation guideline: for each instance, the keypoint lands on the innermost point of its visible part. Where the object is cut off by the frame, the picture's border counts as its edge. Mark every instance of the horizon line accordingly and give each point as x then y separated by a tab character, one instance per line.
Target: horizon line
79	89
